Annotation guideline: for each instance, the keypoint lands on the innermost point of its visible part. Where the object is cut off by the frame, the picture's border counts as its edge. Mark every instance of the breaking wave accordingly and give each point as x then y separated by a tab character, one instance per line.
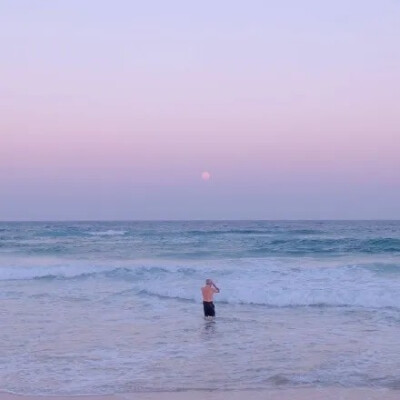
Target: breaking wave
374	285
109	232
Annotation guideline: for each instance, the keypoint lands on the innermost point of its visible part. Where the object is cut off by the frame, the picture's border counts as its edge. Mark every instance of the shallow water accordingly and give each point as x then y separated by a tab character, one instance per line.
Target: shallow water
91	308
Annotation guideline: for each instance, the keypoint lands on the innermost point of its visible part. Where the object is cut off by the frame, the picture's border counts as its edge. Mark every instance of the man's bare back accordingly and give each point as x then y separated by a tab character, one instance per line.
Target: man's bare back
208	292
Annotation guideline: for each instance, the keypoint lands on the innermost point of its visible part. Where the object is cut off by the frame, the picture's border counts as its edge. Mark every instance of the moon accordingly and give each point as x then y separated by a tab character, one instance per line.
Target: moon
205	176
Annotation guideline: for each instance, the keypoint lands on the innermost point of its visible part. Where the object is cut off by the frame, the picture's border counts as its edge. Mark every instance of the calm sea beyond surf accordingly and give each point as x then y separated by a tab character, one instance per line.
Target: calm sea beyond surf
115	307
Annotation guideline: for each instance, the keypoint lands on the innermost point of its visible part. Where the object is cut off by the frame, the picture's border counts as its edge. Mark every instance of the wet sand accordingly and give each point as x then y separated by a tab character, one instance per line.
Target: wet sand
284	394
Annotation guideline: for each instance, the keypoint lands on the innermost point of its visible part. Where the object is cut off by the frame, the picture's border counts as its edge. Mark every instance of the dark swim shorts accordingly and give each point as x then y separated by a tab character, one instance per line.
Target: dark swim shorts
209	309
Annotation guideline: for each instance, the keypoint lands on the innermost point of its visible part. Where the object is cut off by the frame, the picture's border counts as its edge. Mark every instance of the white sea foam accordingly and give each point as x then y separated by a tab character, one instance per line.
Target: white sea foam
262	284
109	232
320	288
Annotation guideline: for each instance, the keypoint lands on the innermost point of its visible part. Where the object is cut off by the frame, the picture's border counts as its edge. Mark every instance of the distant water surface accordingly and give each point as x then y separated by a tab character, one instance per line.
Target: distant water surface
106	307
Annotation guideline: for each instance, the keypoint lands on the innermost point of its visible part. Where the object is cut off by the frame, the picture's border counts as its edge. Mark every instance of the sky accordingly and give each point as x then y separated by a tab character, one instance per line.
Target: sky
114	109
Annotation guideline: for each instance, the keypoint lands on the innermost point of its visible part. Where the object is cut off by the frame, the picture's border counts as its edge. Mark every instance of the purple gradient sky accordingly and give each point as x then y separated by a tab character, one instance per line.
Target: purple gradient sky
112	110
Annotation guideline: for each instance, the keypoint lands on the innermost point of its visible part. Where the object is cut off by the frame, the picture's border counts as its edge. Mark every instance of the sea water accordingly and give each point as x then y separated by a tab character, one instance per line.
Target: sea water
106	307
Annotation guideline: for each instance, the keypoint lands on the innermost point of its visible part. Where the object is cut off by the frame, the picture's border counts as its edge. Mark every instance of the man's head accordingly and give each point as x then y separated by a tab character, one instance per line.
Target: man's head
208	282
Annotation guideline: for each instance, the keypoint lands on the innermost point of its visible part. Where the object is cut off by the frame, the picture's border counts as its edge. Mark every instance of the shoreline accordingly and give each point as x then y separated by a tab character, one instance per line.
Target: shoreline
332	393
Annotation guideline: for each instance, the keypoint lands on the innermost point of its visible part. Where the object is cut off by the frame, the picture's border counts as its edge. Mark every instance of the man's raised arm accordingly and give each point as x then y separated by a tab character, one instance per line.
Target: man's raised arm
215	286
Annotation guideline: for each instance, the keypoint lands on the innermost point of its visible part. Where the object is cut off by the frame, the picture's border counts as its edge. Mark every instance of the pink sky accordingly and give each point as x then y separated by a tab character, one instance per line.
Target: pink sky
293	108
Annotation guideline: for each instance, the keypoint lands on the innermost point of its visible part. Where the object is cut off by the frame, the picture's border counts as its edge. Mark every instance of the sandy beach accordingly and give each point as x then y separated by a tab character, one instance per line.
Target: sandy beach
285	394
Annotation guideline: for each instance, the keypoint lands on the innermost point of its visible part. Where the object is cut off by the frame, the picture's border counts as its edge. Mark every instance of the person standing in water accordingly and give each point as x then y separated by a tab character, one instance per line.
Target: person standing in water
208	292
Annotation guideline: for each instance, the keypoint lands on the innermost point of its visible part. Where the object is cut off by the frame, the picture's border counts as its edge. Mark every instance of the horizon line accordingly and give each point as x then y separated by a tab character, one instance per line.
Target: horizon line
209	220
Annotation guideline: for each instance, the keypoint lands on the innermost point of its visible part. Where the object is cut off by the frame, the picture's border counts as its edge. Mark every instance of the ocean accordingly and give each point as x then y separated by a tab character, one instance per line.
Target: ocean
115	307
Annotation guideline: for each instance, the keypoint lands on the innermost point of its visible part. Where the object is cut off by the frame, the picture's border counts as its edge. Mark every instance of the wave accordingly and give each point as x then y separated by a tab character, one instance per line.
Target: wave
176	241
327	245
149	293
374	285
88	271
382	244
230	232
295	298
116	244
109	232
305	232
255	232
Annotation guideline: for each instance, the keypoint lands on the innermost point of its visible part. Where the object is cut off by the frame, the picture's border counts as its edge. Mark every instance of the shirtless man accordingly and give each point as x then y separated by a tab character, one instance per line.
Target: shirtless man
208	292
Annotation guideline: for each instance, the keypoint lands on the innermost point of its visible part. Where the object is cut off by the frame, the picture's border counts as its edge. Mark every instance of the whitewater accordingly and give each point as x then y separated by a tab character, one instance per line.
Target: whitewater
106	307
